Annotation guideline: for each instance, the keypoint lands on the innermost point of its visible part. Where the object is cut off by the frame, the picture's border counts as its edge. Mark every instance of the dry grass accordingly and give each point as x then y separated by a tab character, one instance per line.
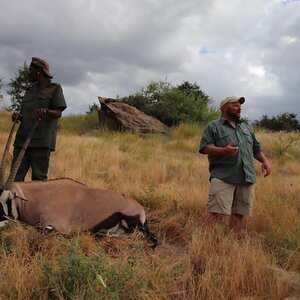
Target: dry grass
167	175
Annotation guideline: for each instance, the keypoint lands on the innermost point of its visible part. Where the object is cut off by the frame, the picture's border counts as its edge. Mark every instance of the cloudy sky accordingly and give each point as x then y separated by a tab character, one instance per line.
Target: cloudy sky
116	47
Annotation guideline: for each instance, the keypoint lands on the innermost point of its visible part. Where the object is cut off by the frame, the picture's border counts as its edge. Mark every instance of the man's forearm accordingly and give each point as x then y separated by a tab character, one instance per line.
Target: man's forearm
260	156
213	150
54	113
228	150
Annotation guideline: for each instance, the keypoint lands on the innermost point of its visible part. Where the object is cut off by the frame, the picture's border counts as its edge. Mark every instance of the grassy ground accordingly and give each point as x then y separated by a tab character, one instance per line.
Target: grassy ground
167	175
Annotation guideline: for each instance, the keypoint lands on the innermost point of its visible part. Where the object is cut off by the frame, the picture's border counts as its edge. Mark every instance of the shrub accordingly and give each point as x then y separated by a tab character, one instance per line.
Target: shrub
79	276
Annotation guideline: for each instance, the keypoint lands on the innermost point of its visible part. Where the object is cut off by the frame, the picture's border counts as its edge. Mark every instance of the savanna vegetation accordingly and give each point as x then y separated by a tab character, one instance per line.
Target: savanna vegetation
168	176
281	122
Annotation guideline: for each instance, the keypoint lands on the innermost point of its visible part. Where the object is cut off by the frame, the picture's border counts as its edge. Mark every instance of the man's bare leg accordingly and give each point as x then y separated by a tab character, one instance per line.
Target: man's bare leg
236	224
209	219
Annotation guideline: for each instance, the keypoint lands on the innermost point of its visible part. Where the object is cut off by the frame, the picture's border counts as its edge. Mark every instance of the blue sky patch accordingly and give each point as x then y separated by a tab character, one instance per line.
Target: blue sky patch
205	50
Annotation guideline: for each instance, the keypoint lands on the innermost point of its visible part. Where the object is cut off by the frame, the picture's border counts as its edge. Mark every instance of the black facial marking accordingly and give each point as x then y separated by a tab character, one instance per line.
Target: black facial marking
2	215
9	208
145	229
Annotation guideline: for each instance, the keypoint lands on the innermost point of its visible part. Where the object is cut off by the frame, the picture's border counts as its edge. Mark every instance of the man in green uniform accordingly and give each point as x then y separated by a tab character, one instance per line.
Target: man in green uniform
231	146
43	101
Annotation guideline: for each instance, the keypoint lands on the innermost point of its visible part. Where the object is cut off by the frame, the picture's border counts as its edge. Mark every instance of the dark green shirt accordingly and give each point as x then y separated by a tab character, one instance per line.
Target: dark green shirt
231	169
49	95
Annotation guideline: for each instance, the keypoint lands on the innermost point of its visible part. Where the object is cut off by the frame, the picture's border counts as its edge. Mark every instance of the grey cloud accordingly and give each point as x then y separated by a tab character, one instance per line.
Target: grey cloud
114	48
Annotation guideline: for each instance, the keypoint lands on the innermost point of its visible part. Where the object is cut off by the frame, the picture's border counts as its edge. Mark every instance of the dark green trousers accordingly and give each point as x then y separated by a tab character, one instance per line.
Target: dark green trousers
35	158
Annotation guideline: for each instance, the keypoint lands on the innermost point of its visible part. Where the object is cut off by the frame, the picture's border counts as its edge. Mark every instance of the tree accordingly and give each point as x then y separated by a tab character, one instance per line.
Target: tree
285	121
0	83
173	104
1	96
194	91
92	108
18	86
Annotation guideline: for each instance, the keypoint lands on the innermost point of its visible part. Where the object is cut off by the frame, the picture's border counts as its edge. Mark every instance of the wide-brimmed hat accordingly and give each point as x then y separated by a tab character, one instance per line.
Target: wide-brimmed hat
232	99
39	62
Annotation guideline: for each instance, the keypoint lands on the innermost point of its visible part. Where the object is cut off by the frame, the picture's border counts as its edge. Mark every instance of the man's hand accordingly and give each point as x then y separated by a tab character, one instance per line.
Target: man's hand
16	117
231	150
42	113
266	169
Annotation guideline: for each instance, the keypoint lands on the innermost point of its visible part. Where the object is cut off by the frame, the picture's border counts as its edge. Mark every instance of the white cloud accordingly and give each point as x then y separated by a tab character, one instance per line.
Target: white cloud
290	39
258	71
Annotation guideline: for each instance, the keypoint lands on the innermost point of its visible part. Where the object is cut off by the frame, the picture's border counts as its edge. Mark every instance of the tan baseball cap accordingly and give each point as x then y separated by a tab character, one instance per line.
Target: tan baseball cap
39	62
232	99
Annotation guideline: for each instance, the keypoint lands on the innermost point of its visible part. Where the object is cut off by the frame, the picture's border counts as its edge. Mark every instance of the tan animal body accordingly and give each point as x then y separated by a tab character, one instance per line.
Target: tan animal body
67	205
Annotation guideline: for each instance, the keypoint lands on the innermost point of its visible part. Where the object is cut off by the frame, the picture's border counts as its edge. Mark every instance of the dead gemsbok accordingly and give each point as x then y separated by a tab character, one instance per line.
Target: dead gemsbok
66	205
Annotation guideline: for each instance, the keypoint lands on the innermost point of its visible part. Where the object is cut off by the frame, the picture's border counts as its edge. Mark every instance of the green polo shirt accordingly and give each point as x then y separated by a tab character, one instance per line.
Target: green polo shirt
231	169
49	95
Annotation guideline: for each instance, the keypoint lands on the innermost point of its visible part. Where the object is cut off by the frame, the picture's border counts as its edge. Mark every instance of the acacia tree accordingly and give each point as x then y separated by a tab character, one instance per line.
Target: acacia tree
18	86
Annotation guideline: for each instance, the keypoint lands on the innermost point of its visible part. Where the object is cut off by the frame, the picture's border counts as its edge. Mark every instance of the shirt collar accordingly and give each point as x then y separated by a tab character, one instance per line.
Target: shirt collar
42	85
226	122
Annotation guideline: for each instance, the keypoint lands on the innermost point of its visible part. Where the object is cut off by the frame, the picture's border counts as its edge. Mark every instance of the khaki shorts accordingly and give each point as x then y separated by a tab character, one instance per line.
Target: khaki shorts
227	198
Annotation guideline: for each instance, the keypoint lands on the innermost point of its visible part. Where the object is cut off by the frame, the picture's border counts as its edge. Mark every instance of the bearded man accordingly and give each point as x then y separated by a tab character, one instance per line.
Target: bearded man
231	146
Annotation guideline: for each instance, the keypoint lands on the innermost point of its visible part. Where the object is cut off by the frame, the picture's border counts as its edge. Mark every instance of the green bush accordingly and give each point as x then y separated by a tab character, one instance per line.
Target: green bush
78	276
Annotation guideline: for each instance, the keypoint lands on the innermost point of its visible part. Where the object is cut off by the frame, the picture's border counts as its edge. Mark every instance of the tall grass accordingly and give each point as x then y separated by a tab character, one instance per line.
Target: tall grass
5	123
168	176
78	124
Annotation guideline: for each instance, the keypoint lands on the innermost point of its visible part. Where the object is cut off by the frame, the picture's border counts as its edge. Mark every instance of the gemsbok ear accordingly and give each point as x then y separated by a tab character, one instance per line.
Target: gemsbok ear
5	196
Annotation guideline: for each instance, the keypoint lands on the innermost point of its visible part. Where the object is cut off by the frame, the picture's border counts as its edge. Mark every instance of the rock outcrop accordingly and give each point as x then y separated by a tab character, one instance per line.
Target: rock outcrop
121	116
